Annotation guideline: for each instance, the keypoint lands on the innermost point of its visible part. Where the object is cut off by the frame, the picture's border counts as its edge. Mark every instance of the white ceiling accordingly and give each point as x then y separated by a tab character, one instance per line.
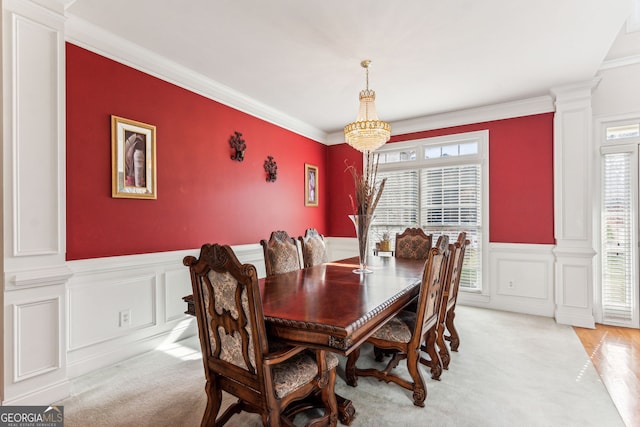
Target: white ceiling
302	57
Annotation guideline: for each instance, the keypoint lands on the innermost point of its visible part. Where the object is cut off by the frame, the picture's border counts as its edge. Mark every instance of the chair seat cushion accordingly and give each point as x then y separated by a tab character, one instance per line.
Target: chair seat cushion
395	330
298	371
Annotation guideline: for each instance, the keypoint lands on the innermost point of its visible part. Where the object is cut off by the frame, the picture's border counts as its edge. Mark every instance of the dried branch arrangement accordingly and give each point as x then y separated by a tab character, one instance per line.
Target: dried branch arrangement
367	195
367	189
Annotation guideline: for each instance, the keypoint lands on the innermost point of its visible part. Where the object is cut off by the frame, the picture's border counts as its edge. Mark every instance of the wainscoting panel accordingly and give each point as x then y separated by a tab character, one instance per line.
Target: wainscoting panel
37	64
104	310
177	285
341	247
521	278
514	278
36	336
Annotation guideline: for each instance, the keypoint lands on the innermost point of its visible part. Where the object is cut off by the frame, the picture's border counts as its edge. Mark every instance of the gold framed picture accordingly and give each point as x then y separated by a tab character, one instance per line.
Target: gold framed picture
133	159
310	185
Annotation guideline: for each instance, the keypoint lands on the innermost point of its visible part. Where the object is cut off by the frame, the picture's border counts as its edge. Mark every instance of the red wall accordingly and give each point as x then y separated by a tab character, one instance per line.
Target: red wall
203	196
520	179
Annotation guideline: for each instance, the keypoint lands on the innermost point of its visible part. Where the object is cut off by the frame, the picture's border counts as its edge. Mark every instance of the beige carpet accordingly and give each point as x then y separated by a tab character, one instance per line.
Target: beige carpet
511	370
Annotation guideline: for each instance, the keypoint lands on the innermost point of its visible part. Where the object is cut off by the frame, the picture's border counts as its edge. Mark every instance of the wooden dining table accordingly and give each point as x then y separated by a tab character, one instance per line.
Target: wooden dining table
329	306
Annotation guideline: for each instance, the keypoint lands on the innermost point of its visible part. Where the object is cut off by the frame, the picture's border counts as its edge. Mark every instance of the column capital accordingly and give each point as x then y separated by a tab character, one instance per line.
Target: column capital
574	91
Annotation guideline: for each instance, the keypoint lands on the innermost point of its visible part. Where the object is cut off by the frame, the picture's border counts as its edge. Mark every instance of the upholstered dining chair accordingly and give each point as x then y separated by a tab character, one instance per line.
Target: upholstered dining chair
450	296
281	253
314	250
405	332
238	357
413	243
450	287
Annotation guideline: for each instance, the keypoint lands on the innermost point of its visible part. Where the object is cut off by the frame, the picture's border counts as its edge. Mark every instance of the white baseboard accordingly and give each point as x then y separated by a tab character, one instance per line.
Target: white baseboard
41	396
116	352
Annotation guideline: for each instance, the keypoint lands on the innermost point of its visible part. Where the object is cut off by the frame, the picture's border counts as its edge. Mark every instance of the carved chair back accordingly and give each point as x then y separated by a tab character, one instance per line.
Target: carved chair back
450	296
281	253
237	355
314	250
431	290
402	336
230	319
413	243
454	270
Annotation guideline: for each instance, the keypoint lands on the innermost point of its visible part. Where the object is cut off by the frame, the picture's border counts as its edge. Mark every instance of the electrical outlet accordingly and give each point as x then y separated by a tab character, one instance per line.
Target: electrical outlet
125	318
510	284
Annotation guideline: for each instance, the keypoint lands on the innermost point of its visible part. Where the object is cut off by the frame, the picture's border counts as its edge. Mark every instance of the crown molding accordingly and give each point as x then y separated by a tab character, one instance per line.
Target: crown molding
109	45
506	110
620	62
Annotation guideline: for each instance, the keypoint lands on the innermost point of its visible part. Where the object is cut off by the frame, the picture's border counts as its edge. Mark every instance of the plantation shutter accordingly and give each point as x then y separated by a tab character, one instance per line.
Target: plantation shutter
617	237
451	203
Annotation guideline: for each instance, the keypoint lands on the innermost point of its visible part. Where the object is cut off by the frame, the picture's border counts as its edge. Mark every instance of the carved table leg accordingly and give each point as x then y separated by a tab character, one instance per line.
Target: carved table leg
350	369
346	411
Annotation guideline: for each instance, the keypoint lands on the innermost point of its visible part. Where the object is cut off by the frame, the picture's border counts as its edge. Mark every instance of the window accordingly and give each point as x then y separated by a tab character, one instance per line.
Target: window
617	229
618	296
621	132
440	191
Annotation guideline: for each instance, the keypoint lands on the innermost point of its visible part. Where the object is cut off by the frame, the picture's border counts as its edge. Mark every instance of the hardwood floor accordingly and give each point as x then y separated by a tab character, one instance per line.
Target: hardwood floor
615	353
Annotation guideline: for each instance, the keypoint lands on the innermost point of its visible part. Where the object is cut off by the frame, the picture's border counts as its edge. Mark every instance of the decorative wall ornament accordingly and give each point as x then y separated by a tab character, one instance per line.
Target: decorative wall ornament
237	143
271	168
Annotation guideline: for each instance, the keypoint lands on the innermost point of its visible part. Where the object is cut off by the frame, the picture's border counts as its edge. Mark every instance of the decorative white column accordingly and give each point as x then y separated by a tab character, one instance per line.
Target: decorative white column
34	225
573	192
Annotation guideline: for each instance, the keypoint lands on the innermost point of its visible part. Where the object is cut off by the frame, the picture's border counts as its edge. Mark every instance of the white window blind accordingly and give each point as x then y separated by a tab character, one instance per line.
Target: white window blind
437	184
451	203
617	237
398	205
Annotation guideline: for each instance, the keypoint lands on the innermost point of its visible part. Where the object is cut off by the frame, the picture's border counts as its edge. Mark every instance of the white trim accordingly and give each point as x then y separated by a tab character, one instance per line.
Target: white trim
19	331
506	110
95	39
49	393
620	62
633	21
54	275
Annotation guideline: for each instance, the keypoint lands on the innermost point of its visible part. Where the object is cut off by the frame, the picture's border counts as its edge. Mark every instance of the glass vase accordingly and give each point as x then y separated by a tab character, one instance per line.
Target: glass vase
361	224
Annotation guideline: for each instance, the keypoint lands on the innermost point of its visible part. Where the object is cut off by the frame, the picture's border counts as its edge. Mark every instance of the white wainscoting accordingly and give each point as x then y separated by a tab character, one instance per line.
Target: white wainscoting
147	289
150	288
341	247
34	226
521	278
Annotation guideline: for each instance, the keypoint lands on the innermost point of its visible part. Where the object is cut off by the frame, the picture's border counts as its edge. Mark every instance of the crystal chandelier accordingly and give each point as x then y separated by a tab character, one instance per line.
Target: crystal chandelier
367	133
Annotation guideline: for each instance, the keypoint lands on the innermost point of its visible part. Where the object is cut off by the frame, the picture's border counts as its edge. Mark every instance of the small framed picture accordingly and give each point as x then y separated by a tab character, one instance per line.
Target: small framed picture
133	159
310	185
